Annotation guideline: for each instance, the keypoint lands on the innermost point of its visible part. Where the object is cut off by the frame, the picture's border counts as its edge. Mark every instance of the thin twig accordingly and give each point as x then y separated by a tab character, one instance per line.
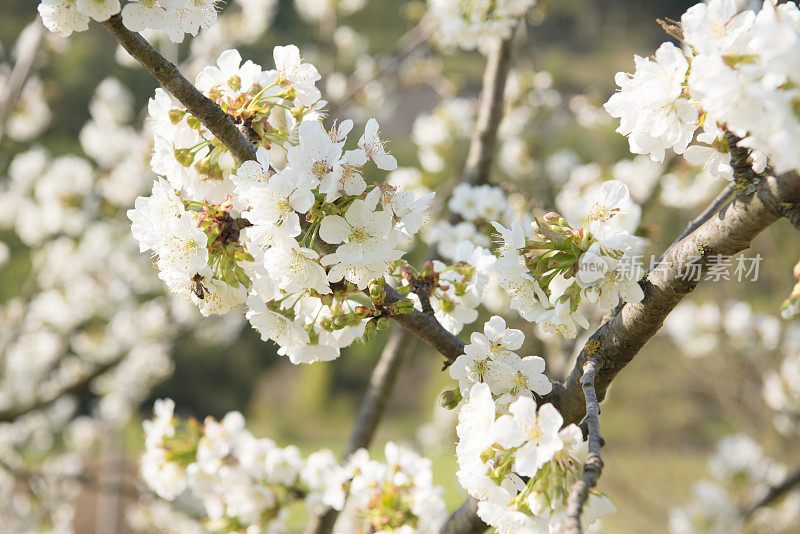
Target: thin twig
168	75
13	412
490	113
593	467
400	345
775	493
19	75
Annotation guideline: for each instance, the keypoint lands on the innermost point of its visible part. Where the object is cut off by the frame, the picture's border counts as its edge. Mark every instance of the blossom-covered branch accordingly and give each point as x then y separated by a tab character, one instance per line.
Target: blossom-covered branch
775	493
168	75
45	399
618	341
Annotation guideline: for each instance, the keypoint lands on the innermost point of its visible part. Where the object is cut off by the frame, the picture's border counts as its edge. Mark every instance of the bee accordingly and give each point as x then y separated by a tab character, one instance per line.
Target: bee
196	285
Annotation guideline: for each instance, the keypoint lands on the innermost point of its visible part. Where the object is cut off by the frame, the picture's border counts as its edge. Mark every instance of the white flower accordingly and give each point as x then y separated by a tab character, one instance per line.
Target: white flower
506	519
301	76
529	376
621	281
99	10
161	425
650	107
366	247
166	478
316	155
560	320
141	15
716	163
533	433
63	17
273	325
716	27
295	269
373	147
152	215
592	266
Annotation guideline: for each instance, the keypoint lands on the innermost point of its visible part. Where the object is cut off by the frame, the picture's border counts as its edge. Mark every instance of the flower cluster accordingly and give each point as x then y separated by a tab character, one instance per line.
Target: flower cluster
175	17
267	104
296	233
397	496
453	292
737	77
476	207
469	24
708	328
494	453
547	267
240	480
490	358
741	474
245	482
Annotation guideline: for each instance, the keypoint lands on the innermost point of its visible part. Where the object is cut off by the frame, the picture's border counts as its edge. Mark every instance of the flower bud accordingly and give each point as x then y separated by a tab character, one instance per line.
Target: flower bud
235	83
450	398
341	321
401	307
383	323
376	288
370	331
175	115
184	156
193	122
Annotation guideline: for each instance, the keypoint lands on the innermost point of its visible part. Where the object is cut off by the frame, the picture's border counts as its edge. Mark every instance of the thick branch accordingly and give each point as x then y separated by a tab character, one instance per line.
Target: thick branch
168	75
19	75
698	221
428	329
593	467
397	349
618	341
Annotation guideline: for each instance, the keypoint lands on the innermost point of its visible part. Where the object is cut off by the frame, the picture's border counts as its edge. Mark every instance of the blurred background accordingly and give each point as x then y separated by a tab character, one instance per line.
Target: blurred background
665	412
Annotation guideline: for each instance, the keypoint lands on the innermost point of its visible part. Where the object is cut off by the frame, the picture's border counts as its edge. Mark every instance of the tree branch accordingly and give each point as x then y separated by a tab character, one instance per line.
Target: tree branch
400	345
490	113
775	493
427	328
19	75
168	75
464	520
618	341
13	412
621	338
593	467
698	221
